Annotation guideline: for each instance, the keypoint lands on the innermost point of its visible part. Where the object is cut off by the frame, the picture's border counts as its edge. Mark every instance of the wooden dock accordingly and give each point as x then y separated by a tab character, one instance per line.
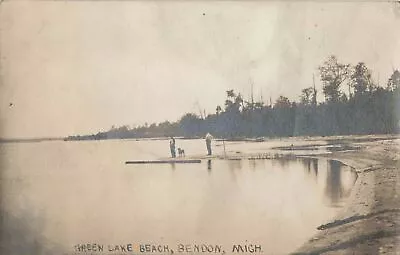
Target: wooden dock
166	161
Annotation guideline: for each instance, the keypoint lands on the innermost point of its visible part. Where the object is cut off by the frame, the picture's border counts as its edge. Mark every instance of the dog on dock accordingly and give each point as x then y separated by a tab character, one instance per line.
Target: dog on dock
181	152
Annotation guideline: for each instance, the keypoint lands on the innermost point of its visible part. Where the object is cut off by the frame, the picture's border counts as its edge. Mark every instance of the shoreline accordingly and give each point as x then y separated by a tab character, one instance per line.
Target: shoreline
369	222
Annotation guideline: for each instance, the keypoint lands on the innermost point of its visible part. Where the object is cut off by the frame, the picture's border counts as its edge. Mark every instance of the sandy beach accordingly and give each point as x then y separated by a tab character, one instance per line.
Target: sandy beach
369	222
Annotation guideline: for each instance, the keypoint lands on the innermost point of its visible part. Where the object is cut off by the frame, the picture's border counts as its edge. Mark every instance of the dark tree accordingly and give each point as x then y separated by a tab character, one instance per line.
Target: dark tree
282	102
394	81
307	96
218	110
360	79
333	74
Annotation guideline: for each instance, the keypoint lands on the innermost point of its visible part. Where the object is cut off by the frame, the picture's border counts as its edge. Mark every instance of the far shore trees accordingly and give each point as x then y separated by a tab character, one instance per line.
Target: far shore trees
361	107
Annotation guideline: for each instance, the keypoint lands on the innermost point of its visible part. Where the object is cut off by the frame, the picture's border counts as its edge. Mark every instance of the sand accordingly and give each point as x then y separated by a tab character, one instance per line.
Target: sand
369	222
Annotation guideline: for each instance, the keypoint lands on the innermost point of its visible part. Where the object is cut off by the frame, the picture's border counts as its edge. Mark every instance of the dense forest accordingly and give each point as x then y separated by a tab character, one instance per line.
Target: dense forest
364	108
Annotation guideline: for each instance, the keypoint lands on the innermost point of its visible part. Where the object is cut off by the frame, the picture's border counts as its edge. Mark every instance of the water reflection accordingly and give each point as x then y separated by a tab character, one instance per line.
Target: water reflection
283	162
253	164
307	164
339	180
311	166
234	164
336	179
315	166
256	163
334	189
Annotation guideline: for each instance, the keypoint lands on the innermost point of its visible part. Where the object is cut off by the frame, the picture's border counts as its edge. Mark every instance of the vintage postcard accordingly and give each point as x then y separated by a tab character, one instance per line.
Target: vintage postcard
199	127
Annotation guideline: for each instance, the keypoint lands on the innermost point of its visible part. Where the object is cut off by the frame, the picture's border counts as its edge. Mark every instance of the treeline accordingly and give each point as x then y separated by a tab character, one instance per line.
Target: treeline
365	108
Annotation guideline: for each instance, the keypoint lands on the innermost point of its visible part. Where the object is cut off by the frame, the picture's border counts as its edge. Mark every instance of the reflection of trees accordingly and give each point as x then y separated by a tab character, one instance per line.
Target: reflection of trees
307	164
310	164
283	162
234	165
257	164
334	187
315	164
253	164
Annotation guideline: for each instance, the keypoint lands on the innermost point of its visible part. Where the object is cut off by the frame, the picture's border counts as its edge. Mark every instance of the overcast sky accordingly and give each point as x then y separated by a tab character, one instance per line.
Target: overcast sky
81	67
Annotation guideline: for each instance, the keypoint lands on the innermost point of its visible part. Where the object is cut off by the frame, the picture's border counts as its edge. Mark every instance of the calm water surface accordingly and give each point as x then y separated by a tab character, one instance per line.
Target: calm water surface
59	194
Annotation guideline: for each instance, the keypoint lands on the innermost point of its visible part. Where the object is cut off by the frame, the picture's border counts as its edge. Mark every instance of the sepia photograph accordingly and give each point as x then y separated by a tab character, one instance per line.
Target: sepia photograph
199	127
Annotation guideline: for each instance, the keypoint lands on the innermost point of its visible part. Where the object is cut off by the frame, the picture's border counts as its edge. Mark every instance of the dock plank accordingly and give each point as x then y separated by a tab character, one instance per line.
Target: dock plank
167	161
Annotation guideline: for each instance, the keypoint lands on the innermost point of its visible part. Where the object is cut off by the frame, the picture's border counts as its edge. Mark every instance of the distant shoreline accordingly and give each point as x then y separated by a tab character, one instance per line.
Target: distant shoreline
77	139
30	140
231	139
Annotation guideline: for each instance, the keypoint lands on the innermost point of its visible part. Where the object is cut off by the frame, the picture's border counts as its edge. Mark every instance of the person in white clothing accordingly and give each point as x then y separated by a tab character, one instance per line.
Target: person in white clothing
209	137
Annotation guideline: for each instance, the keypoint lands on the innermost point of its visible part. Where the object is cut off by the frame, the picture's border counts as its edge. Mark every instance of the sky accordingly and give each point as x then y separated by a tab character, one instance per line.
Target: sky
79	67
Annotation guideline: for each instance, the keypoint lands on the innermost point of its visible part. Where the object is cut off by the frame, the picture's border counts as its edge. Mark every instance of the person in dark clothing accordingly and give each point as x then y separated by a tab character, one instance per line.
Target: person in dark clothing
172	147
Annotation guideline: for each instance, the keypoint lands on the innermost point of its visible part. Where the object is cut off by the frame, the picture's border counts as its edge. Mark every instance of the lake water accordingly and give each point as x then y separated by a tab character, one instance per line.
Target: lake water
56	195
